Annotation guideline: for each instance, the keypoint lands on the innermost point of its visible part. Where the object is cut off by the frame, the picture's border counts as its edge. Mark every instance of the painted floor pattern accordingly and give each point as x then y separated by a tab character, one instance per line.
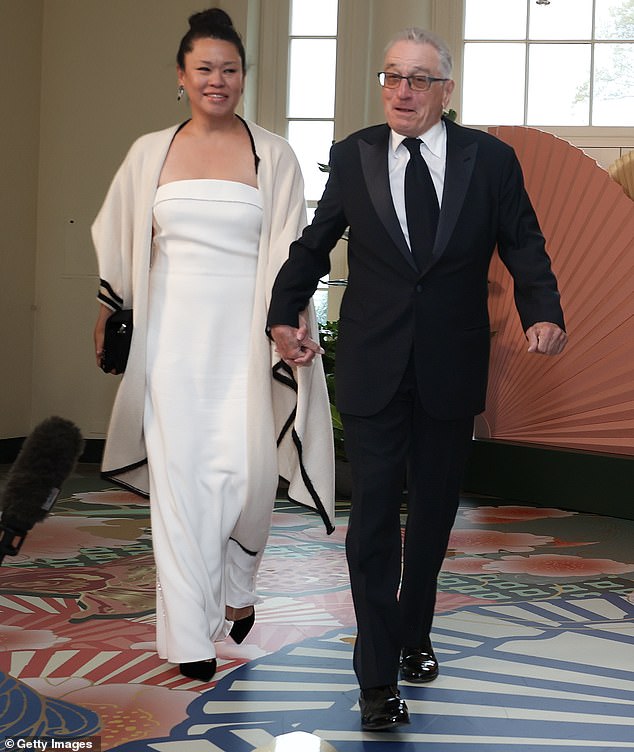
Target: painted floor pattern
534	632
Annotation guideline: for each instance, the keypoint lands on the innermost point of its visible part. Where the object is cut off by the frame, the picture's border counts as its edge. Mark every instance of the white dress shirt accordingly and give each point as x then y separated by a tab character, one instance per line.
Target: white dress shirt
433	150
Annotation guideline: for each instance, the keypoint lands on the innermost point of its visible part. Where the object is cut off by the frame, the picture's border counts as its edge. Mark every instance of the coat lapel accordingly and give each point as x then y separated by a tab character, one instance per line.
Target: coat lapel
373	154
461	160
460	163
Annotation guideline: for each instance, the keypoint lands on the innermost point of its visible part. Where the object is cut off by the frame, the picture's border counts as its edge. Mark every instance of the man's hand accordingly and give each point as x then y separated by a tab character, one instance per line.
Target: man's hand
546	338
294	346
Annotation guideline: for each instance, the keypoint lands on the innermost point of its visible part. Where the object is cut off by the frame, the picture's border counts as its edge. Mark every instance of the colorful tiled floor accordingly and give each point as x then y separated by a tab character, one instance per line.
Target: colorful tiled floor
534	631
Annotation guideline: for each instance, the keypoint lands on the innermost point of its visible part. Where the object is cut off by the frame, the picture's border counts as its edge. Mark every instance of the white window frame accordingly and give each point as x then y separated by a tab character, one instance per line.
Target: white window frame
448	22
271	110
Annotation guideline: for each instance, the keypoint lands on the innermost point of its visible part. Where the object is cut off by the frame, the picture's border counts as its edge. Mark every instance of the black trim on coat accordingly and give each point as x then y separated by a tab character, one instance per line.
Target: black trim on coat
108	296
246	550
283	373
111	475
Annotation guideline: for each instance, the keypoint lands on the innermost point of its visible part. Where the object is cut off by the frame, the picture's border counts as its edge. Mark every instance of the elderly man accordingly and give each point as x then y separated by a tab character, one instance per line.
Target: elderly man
426	202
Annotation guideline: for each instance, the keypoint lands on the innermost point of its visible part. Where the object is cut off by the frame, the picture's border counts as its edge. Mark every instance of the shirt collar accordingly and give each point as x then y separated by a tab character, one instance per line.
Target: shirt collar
434	139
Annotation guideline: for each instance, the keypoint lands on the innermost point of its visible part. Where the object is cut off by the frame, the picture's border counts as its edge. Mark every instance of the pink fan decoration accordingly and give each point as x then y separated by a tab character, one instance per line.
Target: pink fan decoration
584	398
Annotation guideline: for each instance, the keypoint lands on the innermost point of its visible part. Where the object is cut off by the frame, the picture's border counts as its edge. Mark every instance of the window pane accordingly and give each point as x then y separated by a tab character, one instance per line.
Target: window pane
312	78
314	18
495	19
493	84
614	19
613	102
562	19
558	84
311	142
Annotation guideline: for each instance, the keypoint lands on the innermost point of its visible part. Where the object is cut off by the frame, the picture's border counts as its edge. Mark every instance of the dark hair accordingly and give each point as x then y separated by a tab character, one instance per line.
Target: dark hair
212	23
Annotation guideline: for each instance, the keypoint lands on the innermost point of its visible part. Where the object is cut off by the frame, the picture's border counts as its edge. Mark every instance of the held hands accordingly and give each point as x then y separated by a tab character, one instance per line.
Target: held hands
294	346
546	338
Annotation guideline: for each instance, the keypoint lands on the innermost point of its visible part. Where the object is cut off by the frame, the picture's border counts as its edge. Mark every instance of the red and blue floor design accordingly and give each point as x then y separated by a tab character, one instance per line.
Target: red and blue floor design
534	632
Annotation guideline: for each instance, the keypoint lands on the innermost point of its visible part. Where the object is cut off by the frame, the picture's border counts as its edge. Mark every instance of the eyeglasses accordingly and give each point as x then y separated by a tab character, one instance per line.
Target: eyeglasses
416	83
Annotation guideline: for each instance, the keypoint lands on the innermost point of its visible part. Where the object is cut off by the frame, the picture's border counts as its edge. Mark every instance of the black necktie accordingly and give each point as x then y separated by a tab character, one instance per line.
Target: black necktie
421	204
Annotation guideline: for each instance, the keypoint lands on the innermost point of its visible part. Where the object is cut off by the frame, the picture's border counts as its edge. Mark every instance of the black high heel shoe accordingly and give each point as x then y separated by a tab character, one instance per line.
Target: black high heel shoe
242	627
201	670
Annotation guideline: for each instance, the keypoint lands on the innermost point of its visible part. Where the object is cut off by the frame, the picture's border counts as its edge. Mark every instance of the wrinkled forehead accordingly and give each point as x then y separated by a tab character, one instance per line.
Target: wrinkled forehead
412	57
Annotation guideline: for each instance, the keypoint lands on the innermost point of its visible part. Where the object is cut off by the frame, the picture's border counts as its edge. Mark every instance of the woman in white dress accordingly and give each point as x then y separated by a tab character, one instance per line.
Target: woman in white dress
195	226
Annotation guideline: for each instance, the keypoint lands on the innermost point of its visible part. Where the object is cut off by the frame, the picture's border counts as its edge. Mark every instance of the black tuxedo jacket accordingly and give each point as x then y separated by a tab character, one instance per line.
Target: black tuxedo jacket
390	308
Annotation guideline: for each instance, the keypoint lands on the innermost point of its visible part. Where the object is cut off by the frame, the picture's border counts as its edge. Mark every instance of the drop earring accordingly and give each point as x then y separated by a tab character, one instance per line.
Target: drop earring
179	93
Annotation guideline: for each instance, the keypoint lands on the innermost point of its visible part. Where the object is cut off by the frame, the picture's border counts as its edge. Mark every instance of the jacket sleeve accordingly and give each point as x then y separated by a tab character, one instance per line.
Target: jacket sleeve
112	234
522	248
308	260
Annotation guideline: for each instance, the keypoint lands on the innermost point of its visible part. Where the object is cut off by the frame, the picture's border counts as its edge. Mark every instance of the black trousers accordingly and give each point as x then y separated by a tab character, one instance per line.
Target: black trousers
400	441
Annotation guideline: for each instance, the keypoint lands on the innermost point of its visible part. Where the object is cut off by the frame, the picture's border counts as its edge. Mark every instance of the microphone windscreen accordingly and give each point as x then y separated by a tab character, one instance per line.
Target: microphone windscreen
46	459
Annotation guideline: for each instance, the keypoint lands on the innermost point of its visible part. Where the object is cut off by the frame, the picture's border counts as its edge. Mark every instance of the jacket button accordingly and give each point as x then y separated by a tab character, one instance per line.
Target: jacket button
419	288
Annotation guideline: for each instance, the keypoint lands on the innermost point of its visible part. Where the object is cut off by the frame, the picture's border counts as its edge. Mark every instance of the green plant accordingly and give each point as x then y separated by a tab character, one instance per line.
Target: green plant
328	334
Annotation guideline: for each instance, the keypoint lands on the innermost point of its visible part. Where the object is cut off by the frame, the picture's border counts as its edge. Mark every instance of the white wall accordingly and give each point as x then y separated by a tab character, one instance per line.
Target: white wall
20	41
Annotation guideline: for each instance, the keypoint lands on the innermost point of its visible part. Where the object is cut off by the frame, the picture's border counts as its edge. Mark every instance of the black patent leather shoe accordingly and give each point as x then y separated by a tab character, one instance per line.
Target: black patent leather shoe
201	670
382	708
419	665
242	627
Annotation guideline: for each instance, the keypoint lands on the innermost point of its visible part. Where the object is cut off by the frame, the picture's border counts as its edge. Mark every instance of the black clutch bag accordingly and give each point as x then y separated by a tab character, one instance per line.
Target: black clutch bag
116	341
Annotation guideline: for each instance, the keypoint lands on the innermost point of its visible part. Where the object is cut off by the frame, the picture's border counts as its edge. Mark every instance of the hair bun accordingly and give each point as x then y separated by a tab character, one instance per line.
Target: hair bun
213	23
210	17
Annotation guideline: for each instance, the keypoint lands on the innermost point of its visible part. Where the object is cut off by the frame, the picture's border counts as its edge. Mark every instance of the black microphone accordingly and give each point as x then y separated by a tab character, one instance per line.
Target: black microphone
46	459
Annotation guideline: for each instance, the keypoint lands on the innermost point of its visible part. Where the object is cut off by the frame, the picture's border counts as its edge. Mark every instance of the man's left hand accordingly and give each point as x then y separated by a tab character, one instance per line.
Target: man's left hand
546	338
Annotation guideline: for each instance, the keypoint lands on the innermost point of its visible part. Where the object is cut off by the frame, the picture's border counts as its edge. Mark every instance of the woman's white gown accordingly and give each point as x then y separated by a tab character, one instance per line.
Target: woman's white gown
202	282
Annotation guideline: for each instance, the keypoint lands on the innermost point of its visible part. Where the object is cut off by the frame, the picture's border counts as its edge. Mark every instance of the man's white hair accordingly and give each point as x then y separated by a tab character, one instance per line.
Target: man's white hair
422	36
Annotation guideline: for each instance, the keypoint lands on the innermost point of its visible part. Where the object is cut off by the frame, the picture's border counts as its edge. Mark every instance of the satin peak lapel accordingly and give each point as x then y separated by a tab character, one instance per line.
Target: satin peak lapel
375	172
460	164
